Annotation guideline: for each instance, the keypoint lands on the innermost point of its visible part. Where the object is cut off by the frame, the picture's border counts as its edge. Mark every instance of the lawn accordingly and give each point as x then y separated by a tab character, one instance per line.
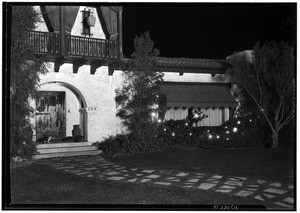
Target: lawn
277	165
40	184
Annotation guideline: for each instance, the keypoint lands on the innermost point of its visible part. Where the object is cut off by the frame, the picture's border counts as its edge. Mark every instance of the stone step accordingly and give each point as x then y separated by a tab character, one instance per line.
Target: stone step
66	154
66	149
56	145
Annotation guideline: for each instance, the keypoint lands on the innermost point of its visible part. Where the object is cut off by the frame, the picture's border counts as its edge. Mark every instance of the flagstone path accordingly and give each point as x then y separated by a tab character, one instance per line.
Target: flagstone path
96	167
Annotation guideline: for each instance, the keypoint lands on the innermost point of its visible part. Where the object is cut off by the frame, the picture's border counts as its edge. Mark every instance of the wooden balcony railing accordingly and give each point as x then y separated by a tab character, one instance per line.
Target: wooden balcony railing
75	46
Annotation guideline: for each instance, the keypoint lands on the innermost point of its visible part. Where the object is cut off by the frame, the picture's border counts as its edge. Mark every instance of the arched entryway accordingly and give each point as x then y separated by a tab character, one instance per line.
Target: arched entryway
60	108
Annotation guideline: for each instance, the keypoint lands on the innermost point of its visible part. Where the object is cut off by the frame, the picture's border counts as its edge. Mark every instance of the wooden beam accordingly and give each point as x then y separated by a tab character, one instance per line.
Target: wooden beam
95	65
78	63
57	63
181	73
189	70
112	66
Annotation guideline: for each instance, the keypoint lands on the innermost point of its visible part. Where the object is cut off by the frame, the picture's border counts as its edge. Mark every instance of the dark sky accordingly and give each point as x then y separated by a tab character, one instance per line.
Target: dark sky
207	30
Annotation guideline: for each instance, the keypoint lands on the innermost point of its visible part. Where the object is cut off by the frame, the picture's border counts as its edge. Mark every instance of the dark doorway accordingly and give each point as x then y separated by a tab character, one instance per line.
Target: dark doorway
50	115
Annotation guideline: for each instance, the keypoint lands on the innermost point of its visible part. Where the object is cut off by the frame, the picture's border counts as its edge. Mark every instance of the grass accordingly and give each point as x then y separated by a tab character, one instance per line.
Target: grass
40	184
254	163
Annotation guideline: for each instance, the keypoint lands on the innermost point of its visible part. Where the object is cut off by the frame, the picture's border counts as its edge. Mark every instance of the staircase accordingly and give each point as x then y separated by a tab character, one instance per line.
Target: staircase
65	149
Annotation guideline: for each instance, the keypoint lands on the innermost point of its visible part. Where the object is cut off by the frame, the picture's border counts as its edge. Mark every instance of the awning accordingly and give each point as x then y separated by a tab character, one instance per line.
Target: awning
198	95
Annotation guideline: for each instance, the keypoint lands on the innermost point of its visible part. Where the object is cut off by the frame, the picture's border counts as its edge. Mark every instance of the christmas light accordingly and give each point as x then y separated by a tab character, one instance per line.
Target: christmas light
153	114
227	132
225	127
217	136
208	130
196	116
165	129
173	134
186	124
159	120
190	134
227	139
250	120
210	136
234	129
238	122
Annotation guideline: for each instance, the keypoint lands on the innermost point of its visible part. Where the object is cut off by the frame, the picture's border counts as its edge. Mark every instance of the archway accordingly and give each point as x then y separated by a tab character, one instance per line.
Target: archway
71	96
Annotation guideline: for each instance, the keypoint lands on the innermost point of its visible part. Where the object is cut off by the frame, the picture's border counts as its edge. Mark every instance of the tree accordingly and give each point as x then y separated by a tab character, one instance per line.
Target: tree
269	80
25	67
139	97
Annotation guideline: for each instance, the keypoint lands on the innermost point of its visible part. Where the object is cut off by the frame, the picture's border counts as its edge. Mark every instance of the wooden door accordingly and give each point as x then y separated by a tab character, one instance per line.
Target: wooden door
50	115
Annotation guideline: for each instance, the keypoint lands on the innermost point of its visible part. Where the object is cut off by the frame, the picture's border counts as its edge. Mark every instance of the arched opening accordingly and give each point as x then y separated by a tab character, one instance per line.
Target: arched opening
60	113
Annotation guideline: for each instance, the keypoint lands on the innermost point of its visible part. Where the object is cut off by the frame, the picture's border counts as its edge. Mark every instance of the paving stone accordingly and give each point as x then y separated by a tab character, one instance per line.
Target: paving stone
217	176
134	169
258	197
193	180
276	191
206	186
227	187
275	184
93	168
170	178
75	171
241	178
148	171
254	186
90	176
234	183
200	173
224	190
83	173
244	193
234	179
132	180
182	174
163	183
269	196
261	181
65	167
252	189
284	205
290	187
175	180
112	173
153	176
115	178
187	186
123	170
145	180
138	174
289	200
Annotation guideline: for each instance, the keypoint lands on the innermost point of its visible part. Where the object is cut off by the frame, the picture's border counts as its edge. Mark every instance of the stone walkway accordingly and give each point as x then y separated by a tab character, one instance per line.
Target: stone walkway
97	167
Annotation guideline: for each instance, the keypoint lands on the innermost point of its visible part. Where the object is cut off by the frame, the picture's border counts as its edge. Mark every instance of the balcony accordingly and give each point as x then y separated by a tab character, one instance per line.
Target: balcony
75	49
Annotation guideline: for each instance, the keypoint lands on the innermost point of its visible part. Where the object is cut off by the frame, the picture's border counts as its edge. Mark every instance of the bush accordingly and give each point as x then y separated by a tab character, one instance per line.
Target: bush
180	135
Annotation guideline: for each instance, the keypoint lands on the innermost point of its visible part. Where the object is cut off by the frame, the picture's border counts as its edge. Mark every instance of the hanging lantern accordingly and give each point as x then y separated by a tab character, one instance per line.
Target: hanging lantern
91	20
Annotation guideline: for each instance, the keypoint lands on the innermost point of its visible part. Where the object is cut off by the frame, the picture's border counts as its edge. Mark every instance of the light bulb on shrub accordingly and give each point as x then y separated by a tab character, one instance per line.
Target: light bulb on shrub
234	129
153	114
196	116
227	132
186	124
227	139
208	130
190	134
225	127
210	136
250	120
159	120
173	134
165	129
217	136
238	122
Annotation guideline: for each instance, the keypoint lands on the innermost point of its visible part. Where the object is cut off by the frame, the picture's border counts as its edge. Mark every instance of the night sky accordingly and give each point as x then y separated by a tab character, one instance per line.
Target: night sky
208	30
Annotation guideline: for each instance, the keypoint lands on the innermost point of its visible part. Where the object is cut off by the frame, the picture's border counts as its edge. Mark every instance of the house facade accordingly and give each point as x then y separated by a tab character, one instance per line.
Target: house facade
83	47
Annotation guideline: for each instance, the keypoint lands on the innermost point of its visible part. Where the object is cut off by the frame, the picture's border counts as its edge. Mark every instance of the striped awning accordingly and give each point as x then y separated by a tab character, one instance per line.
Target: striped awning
198	95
